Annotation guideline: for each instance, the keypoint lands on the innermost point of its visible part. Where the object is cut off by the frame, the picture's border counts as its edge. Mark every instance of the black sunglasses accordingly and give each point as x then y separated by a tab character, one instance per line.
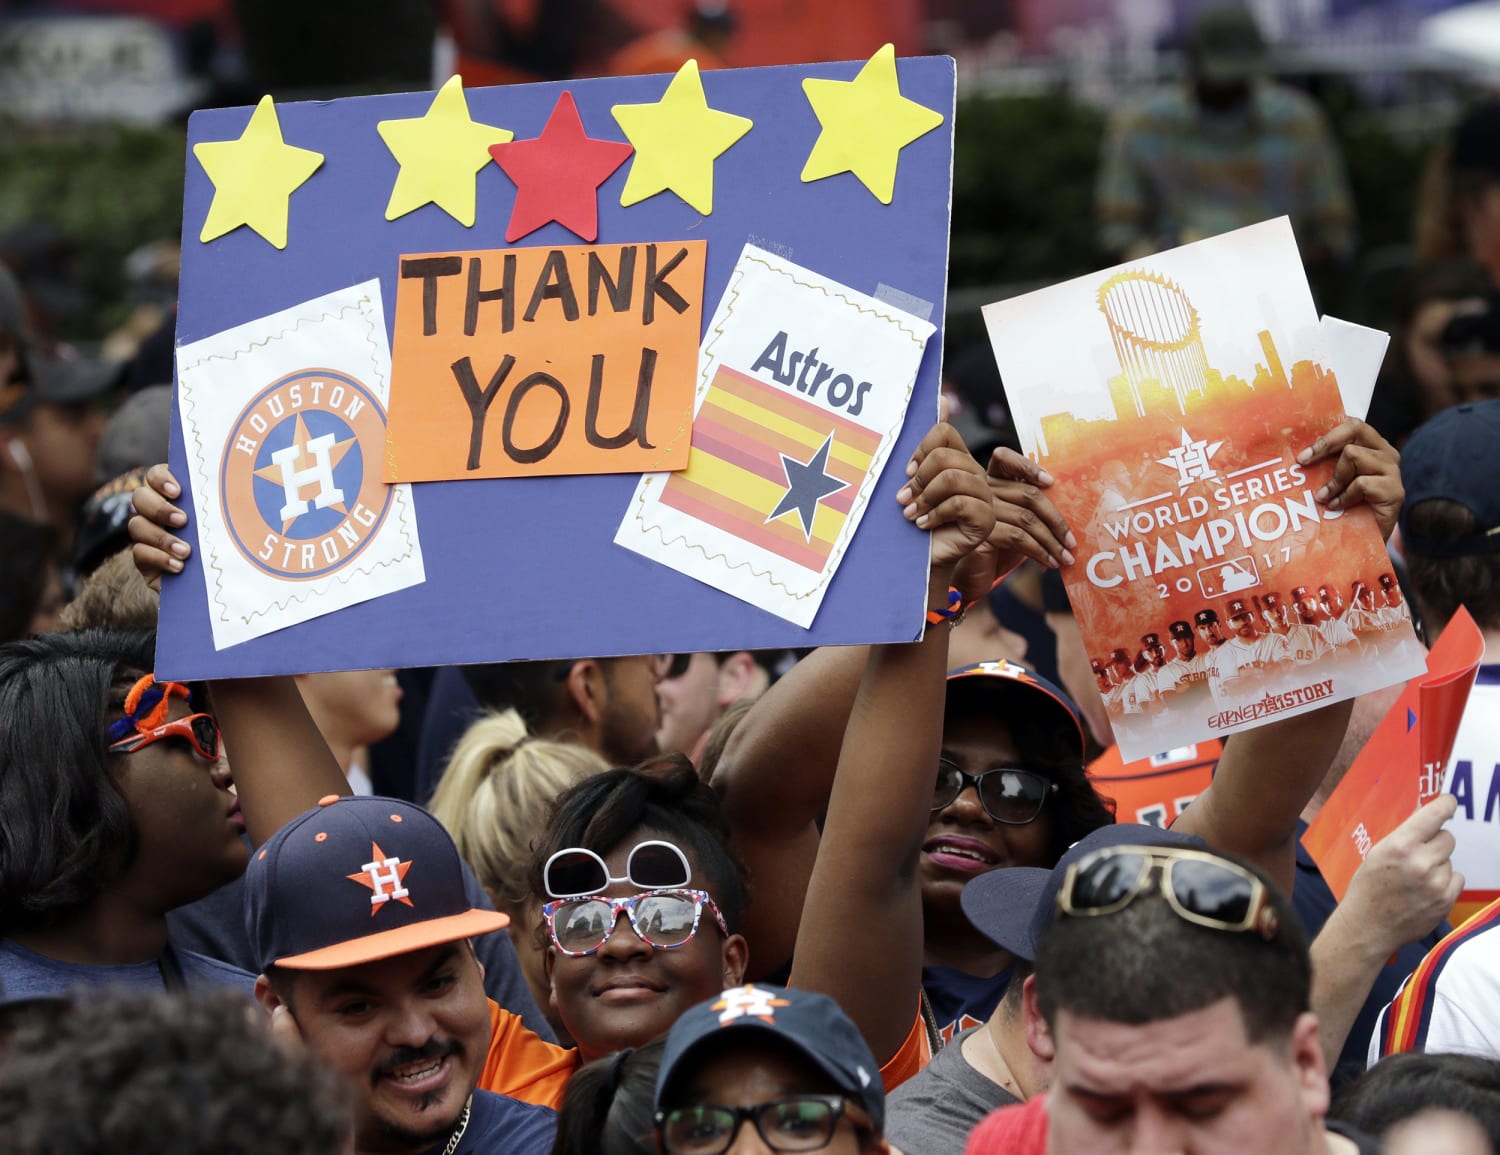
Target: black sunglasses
1010	795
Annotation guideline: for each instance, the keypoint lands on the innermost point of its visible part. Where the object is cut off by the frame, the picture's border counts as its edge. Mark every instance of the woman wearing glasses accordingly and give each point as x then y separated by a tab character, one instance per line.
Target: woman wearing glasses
767	1069
642	904
116	809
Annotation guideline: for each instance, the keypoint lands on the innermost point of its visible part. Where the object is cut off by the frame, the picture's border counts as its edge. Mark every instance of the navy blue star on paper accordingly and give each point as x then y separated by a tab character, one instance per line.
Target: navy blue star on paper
807	483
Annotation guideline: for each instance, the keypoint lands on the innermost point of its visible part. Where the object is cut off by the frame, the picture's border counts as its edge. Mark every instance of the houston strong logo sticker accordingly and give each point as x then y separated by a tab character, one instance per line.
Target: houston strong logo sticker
300	480
284	424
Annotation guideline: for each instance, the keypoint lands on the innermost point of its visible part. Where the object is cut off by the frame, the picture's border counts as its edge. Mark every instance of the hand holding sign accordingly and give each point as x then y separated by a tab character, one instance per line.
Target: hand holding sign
948	495
1406	884
1402	764
1367	471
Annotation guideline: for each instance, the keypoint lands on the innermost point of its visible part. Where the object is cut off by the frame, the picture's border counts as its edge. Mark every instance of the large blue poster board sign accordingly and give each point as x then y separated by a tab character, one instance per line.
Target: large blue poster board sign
591	368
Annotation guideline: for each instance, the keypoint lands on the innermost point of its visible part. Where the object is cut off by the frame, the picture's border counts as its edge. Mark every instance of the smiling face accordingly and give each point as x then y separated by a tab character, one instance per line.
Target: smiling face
186	818
962	839
1194	1083
628	992
410	1033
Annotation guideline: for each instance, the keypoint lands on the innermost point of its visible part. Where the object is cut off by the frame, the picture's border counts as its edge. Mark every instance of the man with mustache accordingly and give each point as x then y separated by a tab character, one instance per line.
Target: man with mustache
358	917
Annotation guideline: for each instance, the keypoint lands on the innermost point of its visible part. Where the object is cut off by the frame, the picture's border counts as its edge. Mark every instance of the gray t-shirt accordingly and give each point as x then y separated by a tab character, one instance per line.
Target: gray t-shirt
933	1112
24	974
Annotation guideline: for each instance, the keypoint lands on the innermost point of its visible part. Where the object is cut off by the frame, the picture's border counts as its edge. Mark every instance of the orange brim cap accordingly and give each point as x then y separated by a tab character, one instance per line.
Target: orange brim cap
399	940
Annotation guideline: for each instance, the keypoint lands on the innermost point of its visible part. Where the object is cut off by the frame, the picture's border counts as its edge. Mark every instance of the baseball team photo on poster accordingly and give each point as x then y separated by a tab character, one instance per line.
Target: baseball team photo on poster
1170	398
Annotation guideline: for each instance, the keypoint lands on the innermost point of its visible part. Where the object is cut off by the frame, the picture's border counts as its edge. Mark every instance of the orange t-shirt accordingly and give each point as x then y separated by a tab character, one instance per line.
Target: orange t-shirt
527	1067
1155	790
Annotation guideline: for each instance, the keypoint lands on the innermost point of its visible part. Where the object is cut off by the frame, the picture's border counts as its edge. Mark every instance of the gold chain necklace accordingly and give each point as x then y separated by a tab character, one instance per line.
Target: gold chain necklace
463	1125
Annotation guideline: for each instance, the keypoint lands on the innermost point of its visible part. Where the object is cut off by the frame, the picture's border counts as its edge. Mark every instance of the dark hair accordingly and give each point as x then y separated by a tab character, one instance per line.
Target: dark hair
65	831
23	571
608	1107
664	795
1048	742
1010	1002
1146	963
1400	1086
1442	584
530	688
167	1074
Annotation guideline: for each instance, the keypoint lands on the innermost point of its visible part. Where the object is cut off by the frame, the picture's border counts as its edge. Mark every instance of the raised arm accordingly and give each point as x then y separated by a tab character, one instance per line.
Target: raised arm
776	773
1404	888
865	874
1267	775
280	762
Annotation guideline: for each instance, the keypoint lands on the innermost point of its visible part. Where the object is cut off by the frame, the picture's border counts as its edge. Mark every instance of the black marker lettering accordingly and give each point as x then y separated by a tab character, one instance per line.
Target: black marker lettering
479	402
429	269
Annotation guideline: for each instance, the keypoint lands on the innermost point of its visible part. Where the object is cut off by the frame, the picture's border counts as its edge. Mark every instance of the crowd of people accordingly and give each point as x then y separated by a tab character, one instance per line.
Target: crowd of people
897	898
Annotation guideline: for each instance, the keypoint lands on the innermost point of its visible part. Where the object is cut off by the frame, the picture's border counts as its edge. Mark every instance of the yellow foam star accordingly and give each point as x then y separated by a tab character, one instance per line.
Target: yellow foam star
866	123
254	177
440	154
676	141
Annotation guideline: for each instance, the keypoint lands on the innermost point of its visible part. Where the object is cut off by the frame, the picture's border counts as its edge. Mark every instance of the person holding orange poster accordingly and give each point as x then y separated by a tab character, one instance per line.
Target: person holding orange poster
1174	401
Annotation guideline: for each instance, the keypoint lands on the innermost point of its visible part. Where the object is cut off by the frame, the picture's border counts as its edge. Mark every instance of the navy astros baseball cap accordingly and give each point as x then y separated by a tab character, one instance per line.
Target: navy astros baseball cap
354	880
812	1024
1013	906
1025	688
1452	457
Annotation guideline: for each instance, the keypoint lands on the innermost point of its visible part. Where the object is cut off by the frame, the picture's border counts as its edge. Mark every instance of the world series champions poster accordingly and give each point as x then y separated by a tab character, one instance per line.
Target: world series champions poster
1170	398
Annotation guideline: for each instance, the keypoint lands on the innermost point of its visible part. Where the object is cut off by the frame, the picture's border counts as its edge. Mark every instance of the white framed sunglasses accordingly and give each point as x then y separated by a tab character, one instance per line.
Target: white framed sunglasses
652	865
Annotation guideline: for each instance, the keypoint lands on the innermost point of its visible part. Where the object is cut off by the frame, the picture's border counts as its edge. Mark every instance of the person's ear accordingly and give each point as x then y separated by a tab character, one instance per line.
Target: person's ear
1038	1037
586	690
736	673
736	960
265	995
1307	1061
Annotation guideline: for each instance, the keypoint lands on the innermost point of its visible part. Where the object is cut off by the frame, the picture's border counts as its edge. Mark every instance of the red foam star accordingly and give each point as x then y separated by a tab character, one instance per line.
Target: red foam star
557	175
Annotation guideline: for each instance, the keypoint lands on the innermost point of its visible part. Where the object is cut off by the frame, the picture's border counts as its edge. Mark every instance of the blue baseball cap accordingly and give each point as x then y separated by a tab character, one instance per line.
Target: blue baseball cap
812	1024
1023	689
354	880
1013	906
1453	457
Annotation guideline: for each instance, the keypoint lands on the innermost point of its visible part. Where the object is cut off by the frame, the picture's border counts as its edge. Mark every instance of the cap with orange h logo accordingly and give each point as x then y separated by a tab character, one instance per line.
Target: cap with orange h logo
355	880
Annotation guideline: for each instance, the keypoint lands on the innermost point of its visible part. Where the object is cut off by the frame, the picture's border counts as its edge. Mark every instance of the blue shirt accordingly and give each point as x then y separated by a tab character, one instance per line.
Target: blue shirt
961	1000
500	1125
24	974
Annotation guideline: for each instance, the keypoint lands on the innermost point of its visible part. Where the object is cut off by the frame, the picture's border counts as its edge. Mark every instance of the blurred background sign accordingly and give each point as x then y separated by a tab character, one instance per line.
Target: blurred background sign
82	67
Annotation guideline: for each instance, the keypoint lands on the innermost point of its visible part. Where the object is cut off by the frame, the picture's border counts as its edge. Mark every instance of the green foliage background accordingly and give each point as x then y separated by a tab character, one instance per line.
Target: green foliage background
1022	204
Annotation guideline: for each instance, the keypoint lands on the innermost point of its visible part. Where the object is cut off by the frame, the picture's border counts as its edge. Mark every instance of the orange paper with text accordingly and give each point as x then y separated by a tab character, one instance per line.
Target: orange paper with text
543	361
1401	766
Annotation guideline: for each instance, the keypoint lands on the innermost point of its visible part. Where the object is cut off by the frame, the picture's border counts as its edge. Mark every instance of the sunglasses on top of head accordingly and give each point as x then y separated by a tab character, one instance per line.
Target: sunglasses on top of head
1011	795
1200	887
199	731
